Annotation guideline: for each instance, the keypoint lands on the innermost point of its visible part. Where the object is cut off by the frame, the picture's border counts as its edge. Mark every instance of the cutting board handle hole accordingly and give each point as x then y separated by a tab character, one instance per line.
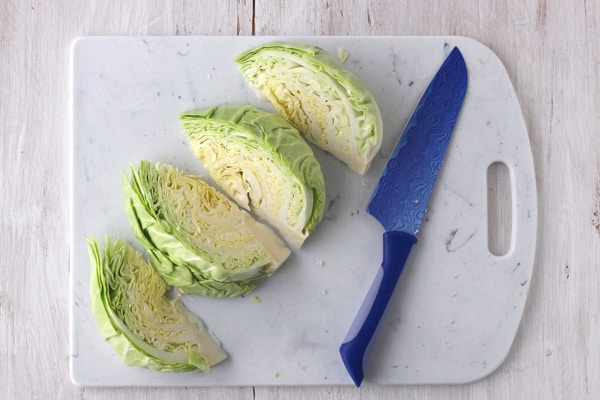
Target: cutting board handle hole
499	207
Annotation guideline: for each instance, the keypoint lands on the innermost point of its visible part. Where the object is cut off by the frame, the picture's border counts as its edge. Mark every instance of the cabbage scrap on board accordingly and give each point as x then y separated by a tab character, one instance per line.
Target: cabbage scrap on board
199	241
145	327
262	162
319	96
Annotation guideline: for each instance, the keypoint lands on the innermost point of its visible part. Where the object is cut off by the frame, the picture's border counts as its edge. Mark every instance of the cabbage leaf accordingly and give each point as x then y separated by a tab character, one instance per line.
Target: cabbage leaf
144	326
262	162
199	240
319	96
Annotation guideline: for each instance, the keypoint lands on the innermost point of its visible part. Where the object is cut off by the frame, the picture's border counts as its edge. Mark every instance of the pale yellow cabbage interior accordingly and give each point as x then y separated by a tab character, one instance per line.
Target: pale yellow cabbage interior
254	177
296	90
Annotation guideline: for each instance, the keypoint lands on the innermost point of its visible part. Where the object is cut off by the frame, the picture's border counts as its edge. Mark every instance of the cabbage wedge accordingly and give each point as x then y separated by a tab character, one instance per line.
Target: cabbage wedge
199	240
145	327
263	163
319	96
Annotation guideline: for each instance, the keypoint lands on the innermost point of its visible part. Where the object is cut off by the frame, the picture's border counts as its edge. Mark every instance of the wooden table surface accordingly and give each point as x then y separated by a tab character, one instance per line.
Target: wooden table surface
551	50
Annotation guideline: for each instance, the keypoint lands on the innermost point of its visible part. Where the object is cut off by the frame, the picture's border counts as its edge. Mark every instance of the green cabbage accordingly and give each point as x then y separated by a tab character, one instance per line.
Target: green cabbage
263	163
319	96
198	240
145	327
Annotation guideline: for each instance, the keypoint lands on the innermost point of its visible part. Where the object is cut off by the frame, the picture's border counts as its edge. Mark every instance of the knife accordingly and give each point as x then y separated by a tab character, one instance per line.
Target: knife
400	199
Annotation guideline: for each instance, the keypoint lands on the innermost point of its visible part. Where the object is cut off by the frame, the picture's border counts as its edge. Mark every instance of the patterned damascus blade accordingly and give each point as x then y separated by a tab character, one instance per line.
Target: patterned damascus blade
401	196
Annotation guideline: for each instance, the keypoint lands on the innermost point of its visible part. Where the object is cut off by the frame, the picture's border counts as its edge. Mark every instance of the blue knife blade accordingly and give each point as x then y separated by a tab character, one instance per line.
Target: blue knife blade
400	199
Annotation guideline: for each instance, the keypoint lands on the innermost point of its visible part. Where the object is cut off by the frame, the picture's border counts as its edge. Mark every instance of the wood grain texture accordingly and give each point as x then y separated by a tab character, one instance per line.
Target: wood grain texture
552	53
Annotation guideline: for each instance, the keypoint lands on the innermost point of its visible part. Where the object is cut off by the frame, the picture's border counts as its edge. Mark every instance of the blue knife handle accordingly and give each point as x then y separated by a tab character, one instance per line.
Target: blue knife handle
356	348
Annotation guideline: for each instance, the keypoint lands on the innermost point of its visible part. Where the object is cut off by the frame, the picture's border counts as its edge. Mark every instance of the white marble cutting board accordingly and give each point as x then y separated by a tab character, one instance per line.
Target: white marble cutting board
457	308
